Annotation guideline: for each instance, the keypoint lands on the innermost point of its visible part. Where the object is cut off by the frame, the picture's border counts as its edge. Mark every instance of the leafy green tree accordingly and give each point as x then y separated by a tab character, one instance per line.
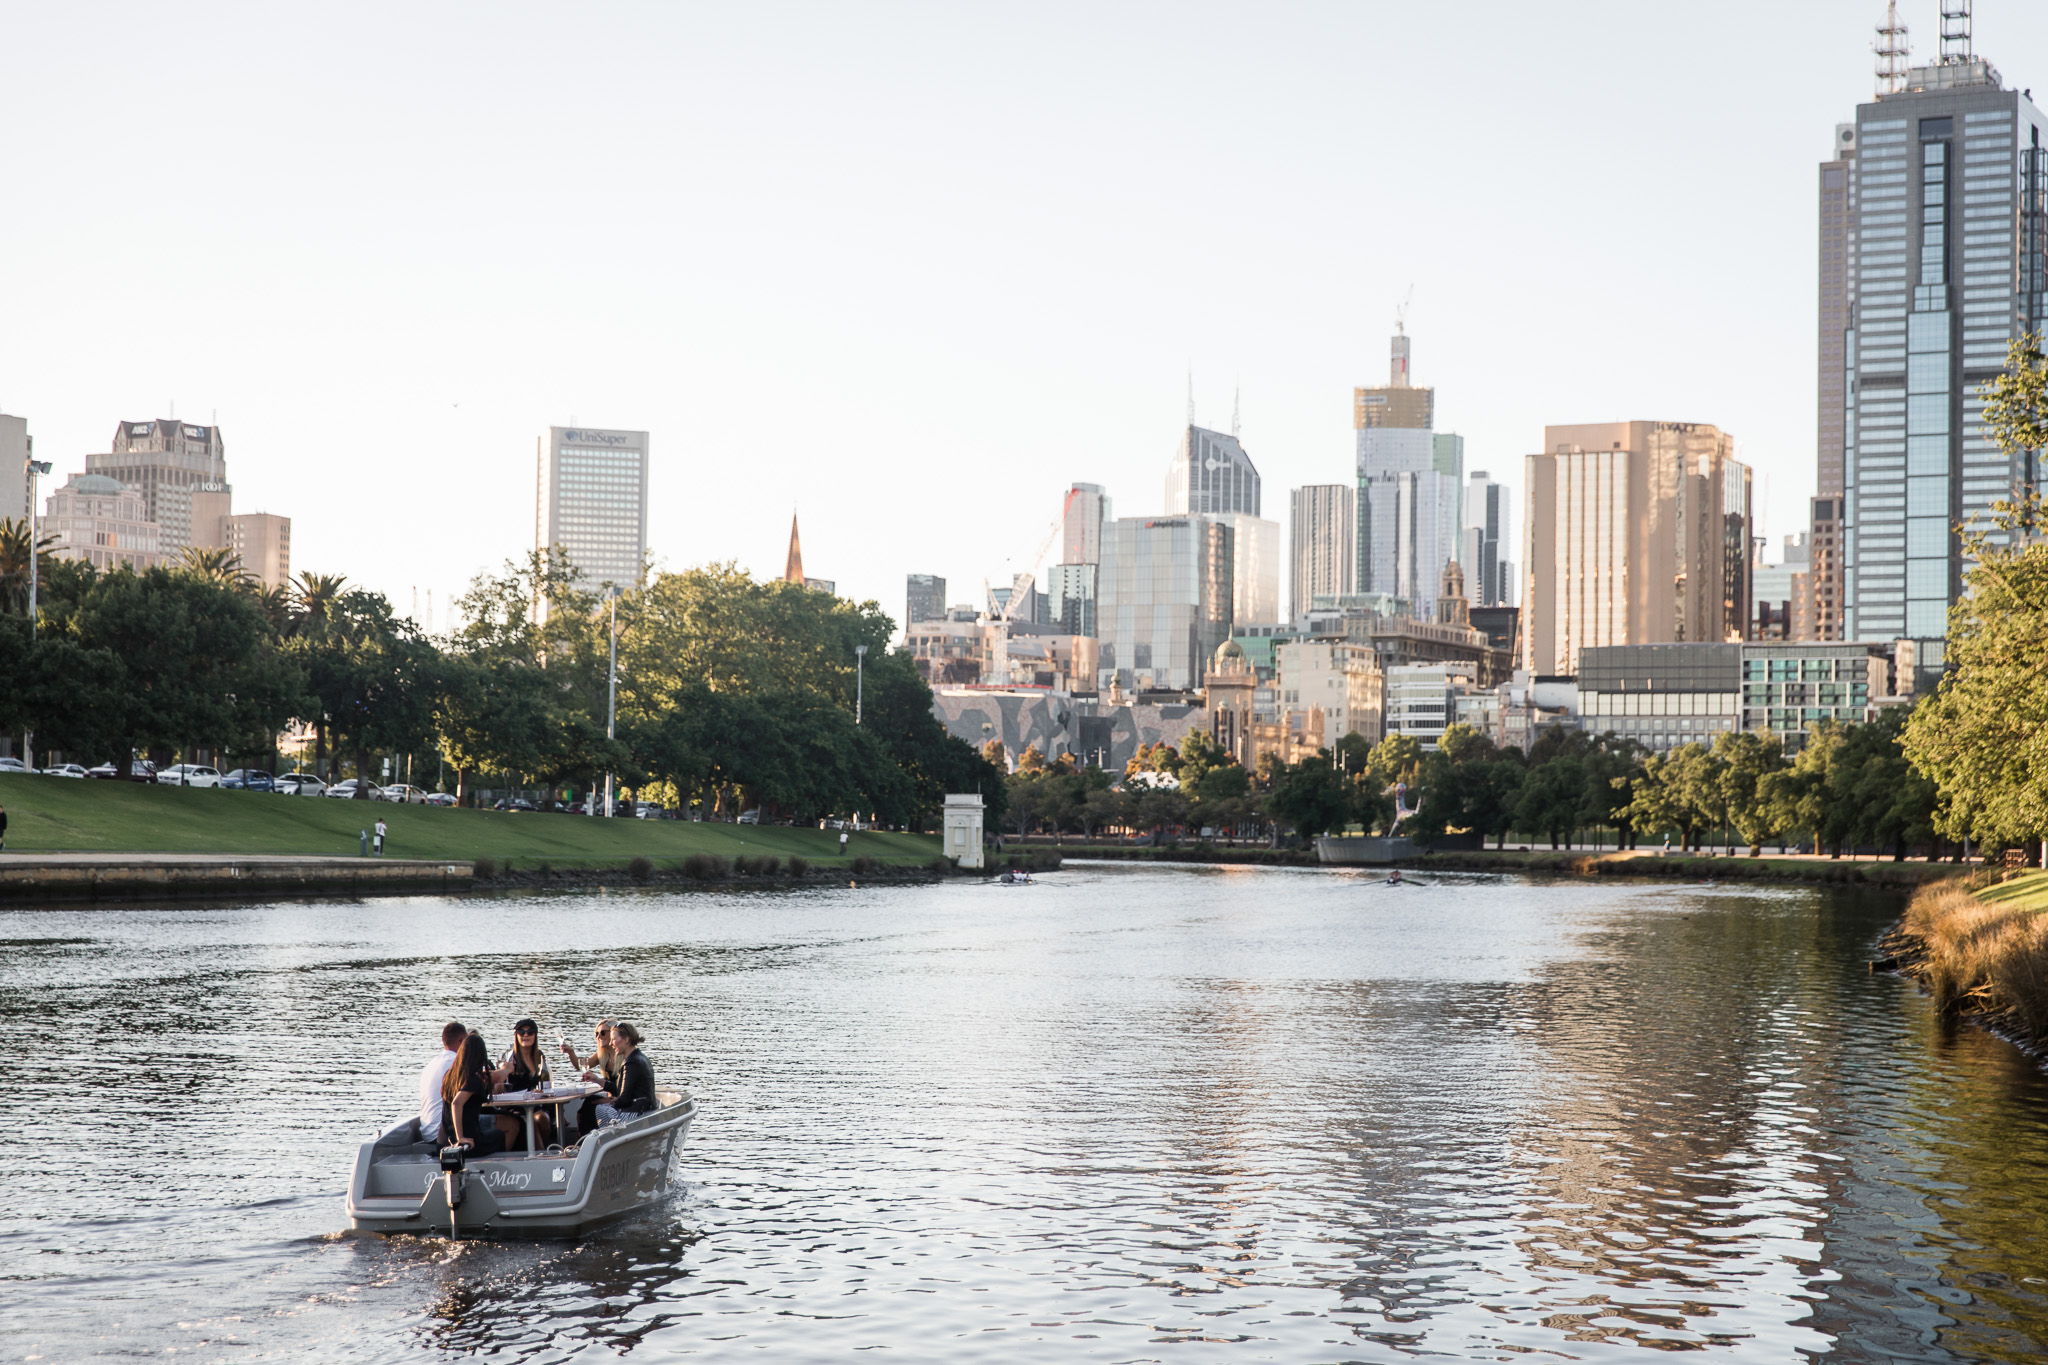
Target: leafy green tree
1312	796
1552	798
1797	796
1746	758
14	560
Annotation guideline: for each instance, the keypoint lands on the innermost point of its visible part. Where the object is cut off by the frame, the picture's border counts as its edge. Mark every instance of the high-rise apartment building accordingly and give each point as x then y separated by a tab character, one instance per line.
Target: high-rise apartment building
1489	575
1944	251
1164	600
924	598
1323	544
14	452
1081	517
171	463
1408	488
1070	590
1635	533
1817	613
592	502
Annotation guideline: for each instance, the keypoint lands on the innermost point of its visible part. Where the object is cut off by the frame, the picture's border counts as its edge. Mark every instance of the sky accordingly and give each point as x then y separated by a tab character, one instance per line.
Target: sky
904	270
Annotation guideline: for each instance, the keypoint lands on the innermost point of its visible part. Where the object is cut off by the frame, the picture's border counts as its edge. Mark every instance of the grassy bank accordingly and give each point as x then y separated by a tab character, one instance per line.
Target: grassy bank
50	814
1828	871
1983	950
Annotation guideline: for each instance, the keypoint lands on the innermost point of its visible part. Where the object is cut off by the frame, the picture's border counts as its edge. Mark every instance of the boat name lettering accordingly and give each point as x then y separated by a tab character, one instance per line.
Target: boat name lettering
497	1180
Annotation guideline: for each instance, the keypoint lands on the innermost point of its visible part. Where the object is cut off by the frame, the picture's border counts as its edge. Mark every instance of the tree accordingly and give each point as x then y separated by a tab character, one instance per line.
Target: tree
1312	796
1797	796
1552	798
1746	758
14	561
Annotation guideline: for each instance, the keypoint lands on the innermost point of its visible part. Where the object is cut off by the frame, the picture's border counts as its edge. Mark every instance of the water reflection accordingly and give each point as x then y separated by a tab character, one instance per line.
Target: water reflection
1291	1114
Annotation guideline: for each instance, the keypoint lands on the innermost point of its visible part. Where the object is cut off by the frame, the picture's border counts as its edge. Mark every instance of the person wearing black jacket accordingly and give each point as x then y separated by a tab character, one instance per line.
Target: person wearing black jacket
636	1081
463	1092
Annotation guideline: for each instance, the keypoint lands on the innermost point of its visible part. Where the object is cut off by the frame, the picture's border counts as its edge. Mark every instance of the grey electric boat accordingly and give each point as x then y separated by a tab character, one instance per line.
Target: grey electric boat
404	1185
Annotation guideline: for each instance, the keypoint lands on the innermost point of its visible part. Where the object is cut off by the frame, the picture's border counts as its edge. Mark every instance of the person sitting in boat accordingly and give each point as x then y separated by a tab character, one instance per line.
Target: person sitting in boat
431	1077
463	1092
525	1068
634	1094
601	1066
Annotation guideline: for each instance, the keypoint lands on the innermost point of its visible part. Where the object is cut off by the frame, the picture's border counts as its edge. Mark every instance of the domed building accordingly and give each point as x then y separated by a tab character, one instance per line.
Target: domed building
1230	687
104	522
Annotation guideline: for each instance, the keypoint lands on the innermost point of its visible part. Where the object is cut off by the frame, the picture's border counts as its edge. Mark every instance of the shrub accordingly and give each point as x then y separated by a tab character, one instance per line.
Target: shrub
766	865
706	867
1042	860
486	868
798	866
641	868
941	865
864	865
1978	955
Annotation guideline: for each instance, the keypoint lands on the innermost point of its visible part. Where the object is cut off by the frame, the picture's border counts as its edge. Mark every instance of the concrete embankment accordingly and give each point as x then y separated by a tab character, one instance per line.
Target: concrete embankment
1981	948
36	878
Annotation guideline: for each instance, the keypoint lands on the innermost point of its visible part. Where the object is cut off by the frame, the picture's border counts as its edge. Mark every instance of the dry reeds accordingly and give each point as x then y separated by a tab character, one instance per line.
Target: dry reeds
1980	956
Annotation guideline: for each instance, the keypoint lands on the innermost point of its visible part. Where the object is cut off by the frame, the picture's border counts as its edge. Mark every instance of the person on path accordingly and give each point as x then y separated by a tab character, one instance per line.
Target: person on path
379	846
3	829
842	843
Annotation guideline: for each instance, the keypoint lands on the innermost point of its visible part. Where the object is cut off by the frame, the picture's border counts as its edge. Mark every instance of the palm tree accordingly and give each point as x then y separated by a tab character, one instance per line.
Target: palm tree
14	563
315	595
222	567
276	604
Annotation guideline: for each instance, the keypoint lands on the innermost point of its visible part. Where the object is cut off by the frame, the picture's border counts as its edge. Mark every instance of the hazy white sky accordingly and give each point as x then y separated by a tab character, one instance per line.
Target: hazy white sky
908	269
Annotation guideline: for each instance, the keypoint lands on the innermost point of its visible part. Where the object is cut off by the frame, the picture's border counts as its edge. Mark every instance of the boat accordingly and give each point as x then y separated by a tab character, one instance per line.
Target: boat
402	1184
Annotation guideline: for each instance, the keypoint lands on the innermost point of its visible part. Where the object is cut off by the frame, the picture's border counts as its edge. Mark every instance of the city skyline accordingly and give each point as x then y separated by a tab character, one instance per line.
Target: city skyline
418	323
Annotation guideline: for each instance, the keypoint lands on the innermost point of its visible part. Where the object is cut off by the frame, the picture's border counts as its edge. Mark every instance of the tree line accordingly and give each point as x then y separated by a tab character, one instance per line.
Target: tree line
731	693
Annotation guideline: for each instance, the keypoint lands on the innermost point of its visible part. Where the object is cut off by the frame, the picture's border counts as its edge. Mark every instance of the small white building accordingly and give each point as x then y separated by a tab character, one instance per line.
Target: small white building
963	828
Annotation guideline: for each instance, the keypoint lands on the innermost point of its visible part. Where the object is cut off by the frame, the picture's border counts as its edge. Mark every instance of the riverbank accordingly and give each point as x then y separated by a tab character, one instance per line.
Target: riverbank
1650	863
54	814
1981	949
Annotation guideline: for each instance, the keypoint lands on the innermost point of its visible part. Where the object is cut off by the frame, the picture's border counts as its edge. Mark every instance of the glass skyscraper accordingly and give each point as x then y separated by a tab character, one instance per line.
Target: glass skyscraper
1164	603
592	502
1941	244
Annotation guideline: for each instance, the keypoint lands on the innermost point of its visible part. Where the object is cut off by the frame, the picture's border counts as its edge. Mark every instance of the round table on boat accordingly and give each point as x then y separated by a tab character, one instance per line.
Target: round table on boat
526	1101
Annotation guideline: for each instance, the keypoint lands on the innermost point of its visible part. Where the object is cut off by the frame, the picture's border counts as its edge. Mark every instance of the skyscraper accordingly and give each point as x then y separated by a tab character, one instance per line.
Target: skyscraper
924	598
14	452
1323	543
1212	476
1484	552
1086	508
1408	488
170	463
592	502
1165	596
1636	533
1943	236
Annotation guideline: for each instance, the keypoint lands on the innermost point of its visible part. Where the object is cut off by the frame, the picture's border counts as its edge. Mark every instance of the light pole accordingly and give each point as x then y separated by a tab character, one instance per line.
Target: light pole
35	469
611	702
860	665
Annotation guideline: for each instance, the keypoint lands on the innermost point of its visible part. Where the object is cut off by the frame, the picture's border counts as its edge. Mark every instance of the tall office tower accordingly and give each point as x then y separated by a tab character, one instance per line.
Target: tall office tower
593	502
924	598
172	464
1637	533
1324	541
15	447
1255	570
1070	589
1485	540
1817	615
1081	517
1407	509
1210	474
1164	599
1447	456
1947	244
263	542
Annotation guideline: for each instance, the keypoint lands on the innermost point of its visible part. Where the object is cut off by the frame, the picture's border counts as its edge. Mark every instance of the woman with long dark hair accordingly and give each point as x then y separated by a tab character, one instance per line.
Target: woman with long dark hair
634	1094
463	1092
525	1068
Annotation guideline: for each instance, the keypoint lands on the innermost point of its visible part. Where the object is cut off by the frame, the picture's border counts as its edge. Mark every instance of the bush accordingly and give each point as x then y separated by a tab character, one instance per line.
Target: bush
1041	860
705	867
641	868
486	868
798	866
941	865
767	865
864	865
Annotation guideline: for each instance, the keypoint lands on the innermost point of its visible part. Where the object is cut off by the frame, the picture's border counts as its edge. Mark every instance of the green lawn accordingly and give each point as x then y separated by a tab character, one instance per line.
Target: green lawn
2027	891
51	814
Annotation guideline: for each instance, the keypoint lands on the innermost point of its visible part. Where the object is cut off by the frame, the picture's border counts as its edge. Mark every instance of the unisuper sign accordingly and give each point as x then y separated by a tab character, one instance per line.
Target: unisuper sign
601	438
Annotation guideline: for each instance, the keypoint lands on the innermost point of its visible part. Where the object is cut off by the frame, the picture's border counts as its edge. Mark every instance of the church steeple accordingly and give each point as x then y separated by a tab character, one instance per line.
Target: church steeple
793	572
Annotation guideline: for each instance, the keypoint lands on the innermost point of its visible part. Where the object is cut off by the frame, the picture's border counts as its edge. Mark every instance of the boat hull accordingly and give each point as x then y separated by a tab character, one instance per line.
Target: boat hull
398	1185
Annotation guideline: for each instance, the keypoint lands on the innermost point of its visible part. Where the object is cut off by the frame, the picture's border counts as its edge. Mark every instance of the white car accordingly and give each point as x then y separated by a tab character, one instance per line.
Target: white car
14	765
188	775
346	791
65	770
400	794
298	784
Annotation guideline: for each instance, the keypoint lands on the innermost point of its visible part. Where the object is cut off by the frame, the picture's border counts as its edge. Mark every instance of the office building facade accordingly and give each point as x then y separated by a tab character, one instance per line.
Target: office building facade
1489	576
102	522
1323	545
1408	488
1070	593
15	448
1211	475
1164	602
1333	683
1635	533
1943	254
924	598
262	541
1087	506
591	502
171	463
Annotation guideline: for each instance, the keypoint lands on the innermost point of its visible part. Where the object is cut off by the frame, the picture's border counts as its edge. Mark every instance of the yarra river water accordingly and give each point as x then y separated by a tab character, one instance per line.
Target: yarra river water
1128	1114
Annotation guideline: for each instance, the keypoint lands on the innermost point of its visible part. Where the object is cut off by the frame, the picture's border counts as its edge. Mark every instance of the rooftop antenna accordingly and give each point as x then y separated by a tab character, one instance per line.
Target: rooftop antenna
1191	395
1401	313
1236	400
1892	52
1955	32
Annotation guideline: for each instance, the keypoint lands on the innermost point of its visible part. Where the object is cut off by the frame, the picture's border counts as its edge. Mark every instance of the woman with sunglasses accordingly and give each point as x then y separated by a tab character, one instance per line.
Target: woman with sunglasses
525	1067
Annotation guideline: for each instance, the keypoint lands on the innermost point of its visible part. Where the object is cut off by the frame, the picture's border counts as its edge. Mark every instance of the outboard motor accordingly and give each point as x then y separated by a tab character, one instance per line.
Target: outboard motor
454	1168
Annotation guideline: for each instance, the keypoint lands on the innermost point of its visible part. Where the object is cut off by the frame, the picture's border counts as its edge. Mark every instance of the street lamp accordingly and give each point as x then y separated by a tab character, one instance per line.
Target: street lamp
35	468
611	703
860	663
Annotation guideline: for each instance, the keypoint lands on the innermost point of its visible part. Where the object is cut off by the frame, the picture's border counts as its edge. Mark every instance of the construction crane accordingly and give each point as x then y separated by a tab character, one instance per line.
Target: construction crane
1030	575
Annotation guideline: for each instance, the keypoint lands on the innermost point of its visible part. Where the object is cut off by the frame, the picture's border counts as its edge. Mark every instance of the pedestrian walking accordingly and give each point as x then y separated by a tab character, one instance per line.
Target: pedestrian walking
380	837
842	843
3	829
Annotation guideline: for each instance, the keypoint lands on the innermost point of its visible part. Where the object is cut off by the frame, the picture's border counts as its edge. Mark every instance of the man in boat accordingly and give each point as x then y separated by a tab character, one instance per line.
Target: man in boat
431	1077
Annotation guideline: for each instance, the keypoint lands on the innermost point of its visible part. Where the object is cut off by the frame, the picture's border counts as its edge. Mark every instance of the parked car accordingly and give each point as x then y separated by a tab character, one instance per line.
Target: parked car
514	804
14	765
189	775
440	799
346	791
751	817
249	779
400	794
65	770
298	784
646	810
141	770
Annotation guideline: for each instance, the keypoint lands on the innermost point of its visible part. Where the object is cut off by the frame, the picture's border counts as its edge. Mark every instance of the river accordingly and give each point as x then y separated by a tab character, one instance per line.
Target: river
1128	1114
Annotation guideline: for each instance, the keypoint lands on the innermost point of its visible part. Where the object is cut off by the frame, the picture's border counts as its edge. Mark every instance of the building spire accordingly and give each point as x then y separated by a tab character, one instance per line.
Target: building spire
793	571
1892	51
1236	406
1191	395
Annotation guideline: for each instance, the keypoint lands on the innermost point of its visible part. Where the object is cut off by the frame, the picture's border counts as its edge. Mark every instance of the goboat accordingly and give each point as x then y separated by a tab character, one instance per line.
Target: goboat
402	1184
